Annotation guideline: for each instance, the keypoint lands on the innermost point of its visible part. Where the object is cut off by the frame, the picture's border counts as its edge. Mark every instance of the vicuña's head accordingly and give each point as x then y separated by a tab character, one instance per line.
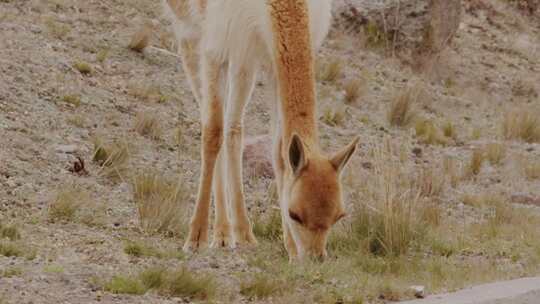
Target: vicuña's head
311	196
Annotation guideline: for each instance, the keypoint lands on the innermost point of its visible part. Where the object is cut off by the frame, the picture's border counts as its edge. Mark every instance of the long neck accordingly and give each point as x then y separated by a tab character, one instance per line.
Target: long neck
293	56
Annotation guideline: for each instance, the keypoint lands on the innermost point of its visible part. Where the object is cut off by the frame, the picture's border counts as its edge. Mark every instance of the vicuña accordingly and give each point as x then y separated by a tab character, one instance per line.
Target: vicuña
223	44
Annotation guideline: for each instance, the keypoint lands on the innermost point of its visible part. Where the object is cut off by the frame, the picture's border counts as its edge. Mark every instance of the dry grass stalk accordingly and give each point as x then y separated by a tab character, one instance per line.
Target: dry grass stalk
430	182
67	203
401	112
532	169
147	124
330	71
161	204
353	90
475	163
495	153
113	159
523	124
428	133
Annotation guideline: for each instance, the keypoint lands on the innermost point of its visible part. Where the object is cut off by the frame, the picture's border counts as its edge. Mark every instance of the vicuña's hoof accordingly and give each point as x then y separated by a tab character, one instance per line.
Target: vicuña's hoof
197	239
222	238
245	237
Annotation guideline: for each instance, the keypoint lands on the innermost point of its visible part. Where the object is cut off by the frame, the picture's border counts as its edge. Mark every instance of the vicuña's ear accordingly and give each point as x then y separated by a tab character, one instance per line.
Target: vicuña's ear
341	158
297	155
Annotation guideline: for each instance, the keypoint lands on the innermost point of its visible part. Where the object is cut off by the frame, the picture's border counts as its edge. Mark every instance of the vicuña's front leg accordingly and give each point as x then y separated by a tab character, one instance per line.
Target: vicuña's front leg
222	225
212	137
241	81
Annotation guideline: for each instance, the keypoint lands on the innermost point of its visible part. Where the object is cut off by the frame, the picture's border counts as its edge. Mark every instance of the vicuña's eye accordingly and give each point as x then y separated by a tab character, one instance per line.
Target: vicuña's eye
295	217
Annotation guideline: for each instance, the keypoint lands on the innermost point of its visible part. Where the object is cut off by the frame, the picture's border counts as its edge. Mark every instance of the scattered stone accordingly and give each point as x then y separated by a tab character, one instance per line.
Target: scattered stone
419	291
67	149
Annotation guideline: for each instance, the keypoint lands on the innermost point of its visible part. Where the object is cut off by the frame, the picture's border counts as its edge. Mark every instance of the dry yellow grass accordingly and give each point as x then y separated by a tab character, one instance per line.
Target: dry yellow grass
161	204
430	182
112	158
475	163
83	67
147	124
353	90
522	124
67	202
333	116
452	170
429	133
330	71
495	153
532	169
401	112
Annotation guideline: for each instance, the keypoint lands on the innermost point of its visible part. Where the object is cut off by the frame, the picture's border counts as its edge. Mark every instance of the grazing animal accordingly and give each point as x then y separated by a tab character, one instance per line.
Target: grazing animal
223	44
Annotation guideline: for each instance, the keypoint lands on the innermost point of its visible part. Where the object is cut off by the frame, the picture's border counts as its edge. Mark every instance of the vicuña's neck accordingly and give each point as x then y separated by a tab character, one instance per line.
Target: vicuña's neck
295	69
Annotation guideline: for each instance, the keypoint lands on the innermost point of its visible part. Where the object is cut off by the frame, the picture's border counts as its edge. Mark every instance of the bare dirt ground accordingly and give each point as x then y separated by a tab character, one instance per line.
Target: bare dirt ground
52	107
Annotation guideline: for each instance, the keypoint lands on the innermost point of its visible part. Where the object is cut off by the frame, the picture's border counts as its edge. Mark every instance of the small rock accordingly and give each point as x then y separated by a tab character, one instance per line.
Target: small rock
419	291
66	149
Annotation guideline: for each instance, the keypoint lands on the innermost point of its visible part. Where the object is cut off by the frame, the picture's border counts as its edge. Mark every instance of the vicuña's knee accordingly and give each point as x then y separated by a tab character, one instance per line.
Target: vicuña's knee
233	133
212	138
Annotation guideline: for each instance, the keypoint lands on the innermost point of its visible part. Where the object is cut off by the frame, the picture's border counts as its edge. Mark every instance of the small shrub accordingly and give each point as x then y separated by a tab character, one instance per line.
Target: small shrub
74	100
78	121
449	130
523	124
353	90
177	283
532	169
330	71
333	117
160	203
428	133
67	203
261	287
53	269
11	272
16	249
269	229
375	36
430	182
57	29
83	67
147	124
102	55
139	250
147	92
113	159
125	285
141	38
495	153
475	163
153	278
401	112
182	283
11	249
9	232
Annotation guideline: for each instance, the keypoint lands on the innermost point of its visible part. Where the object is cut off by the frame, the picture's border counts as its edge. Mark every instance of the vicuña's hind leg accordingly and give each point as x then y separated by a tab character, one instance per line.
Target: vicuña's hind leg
212	137
189	51
222	226
241	83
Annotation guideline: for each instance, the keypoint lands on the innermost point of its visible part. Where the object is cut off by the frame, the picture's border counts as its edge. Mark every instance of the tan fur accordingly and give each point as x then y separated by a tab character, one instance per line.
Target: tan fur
223	44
